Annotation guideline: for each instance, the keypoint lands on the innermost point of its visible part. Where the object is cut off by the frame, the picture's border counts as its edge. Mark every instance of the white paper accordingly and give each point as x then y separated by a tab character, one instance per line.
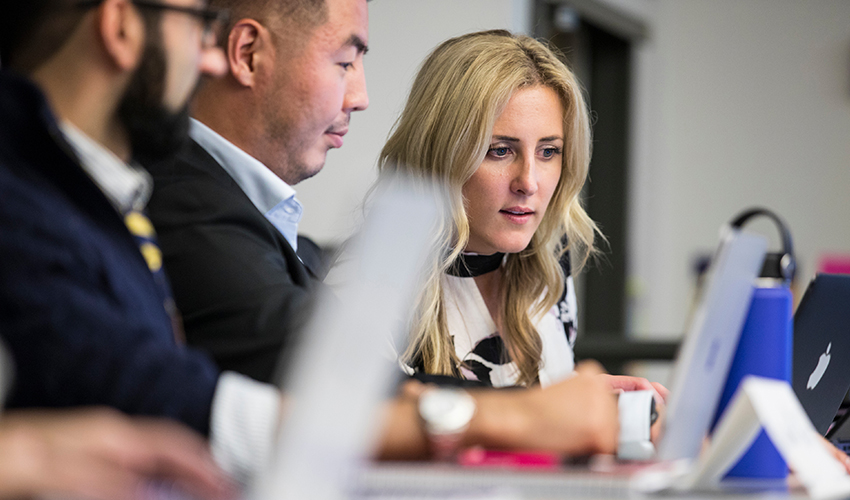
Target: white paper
789	428
759	403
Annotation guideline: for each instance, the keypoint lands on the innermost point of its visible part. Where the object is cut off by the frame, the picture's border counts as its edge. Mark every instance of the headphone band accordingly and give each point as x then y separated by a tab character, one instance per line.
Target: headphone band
781	265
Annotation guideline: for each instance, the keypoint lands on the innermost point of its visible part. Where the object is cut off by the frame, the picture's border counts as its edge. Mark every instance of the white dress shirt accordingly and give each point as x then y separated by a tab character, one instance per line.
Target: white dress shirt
125	186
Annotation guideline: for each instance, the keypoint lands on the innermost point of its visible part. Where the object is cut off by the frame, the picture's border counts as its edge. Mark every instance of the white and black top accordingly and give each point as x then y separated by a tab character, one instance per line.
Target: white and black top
479	345
481	349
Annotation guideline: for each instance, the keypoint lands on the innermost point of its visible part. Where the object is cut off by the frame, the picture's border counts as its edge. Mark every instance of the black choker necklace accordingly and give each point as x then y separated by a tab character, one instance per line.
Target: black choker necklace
472	265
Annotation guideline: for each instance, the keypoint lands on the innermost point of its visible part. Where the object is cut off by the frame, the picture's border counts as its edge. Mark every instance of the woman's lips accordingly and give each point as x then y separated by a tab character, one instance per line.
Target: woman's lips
517	215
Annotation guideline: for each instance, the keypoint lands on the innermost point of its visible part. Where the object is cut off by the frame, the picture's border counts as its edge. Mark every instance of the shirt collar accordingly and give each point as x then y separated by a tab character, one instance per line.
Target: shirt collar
273	197
127	187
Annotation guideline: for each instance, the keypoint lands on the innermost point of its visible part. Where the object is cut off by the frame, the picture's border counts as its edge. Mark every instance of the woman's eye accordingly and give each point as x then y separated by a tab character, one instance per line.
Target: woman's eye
499	152
550	152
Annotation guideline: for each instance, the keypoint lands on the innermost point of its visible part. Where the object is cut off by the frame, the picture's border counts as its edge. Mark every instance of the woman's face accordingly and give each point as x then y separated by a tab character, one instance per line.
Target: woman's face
507	196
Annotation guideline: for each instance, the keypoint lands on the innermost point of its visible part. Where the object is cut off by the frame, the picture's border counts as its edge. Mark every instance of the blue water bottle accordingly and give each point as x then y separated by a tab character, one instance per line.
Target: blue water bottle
765	348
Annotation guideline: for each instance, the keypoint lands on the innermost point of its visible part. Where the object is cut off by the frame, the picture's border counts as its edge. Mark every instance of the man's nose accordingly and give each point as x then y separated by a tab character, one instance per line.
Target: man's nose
356	97
213	62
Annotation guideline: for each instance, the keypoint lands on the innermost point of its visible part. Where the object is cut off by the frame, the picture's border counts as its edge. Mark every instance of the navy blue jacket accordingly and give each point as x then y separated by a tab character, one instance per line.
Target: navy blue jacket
79	309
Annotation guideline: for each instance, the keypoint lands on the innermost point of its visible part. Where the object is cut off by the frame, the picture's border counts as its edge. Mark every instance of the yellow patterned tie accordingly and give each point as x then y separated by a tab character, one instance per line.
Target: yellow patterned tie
142	229
143	232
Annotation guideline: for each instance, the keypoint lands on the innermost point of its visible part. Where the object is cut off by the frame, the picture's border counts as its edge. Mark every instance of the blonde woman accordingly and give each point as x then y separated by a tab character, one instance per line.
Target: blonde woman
501	122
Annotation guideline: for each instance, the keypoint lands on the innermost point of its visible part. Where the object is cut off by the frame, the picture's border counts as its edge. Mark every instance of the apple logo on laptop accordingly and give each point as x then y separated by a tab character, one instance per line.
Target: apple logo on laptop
823	362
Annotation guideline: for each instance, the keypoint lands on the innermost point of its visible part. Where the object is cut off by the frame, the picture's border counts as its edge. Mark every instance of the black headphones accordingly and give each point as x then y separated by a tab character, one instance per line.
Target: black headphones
780	265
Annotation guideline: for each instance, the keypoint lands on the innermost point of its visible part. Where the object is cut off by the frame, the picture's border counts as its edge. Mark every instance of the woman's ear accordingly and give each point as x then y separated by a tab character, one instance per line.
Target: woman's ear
122	32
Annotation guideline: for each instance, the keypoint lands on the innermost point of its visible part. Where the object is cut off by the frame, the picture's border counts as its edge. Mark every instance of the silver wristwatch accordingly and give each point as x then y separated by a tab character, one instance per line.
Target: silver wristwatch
446	414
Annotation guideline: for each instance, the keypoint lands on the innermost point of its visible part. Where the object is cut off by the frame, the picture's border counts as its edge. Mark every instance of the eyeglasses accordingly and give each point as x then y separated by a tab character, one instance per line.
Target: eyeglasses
214	20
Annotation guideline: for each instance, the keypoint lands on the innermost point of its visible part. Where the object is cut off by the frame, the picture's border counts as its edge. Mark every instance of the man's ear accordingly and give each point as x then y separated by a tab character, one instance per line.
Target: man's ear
122	33
249	45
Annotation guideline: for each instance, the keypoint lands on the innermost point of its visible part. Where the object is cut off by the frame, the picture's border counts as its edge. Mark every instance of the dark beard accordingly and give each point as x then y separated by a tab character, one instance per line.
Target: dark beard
154	132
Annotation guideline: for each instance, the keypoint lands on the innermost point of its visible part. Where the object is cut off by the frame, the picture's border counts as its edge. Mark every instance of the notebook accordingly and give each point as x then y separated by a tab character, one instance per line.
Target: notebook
821	369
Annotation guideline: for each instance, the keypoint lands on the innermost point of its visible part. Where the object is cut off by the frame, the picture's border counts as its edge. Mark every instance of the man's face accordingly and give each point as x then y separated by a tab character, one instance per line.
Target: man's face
154	109
309	101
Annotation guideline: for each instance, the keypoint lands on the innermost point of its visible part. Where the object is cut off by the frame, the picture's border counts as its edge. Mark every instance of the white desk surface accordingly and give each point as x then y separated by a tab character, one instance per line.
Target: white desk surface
415	480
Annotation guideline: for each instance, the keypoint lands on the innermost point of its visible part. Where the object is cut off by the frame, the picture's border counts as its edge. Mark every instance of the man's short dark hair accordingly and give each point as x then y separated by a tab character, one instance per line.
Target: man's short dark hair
298	17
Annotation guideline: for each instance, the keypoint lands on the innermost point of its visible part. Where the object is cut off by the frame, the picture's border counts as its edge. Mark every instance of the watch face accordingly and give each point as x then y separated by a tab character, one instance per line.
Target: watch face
446	411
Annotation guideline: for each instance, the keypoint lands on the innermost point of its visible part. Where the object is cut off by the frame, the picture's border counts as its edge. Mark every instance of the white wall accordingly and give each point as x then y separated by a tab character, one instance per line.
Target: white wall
736	103
739	103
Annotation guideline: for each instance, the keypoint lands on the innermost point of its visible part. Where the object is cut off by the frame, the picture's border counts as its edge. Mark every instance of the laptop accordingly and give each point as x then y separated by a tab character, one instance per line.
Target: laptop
709	345
821	369
344	366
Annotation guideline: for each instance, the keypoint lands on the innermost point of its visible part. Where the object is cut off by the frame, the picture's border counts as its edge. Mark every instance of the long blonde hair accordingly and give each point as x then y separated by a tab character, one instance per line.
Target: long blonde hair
443	135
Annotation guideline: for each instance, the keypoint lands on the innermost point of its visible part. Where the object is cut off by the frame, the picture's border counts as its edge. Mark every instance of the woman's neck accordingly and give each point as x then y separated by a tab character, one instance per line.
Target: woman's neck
490	286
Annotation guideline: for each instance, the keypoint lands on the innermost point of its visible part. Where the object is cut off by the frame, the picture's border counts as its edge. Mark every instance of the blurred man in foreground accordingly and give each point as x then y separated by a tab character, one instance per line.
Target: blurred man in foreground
85	307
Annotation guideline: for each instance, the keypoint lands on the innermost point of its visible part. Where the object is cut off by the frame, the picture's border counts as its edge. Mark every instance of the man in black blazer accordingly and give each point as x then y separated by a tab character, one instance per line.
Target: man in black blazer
226	214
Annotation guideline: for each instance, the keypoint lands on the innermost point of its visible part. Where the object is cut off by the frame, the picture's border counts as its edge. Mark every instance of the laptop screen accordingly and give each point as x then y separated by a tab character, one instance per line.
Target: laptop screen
821	372
710	342
342	371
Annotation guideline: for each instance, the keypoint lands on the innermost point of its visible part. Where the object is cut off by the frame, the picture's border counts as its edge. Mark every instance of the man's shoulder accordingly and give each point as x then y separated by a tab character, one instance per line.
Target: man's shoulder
27	149
193	183
29	201
191	165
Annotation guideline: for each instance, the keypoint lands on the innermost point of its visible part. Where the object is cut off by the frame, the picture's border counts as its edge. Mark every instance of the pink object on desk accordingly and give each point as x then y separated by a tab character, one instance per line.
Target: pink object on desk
834	263
480	457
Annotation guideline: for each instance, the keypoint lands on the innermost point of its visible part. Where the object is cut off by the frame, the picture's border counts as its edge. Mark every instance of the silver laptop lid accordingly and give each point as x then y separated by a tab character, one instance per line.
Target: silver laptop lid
710	342
342	370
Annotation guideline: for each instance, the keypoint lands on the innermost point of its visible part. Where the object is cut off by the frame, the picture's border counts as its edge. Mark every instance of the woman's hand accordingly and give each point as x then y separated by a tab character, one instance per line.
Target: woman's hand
623	383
